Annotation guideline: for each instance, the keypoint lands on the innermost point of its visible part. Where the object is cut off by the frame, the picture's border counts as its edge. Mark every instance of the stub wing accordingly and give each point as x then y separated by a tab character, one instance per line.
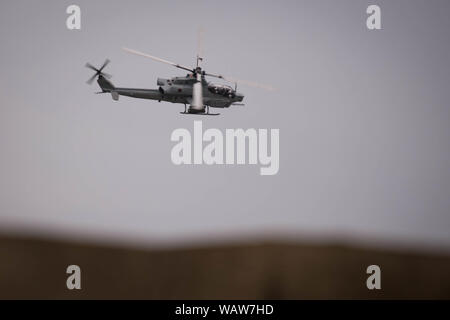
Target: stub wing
151	94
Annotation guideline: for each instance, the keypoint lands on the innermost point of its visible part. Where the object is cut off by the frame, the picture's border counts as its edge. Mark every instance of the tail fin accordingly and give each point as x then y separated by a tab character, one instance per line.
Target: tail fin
105	84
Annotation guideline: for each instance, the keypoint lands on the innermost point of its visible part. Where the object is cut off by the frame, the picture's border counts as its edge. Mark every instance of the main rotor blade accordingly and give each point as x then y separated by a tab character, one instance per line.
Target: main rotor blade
157	59
244	82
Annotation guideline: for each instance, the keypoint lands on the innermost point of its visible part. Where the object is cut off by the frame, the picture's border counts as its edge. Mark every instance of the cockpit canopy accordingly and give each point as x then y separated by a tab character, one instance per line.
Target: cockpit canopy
221	89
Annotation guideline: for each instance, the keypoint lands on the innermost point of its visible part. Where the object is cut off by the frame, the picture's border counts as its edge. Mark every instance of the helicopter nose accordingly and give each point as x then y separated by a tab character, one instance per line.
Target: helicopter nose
239	97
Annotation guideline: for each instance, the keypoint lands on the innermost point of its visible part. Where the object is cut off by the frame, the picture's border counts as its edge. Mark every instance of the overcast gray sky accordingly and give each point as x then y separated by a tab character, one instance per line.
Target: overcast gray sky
363	118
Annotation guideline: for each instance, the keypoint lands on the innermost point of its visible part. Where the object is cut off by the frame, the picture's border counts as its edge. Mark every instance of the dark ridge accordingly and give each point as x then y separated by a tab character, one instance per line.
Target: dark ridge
36	269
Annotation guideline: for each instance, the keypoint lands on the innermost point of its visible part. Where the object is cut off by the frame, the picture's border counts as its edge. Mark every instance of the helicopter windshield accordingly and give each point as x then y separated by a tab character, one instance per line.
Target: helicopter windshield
220	89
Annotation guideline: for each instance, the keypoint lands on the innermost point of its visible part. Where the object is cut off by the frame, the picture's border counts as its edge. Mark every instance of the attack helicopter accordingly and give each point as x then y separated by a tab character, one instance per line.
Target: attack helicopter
193	89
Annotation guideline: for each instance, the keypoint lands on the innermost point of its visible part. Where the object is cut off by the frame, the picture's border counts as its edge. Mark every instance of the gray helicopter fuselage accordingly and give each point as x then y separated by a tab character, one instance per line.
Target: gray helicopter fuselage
177	90
214	95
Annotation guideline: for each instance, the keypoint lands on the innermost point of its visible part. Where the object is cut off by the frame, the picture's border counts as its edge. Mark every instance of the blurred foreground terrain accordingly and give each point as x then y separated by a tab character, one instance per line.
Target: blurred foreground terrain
32	268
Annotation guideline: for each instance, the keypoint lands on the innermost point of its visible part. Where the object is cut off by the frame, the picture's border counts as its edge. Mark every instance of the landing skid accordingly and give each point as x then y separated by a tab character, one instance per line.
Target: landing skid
201	114
206	113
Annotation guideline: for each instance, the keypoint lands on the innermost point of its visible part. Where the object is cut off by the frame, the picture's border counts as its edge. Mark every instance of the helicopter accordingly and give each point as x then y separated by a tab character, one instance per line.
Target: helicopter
193	89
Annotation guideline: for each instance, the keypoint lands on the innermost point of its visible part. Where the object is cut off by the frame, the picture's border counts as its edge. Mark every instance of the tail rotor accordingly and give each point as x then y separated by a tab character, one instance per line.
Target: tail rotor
98	72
